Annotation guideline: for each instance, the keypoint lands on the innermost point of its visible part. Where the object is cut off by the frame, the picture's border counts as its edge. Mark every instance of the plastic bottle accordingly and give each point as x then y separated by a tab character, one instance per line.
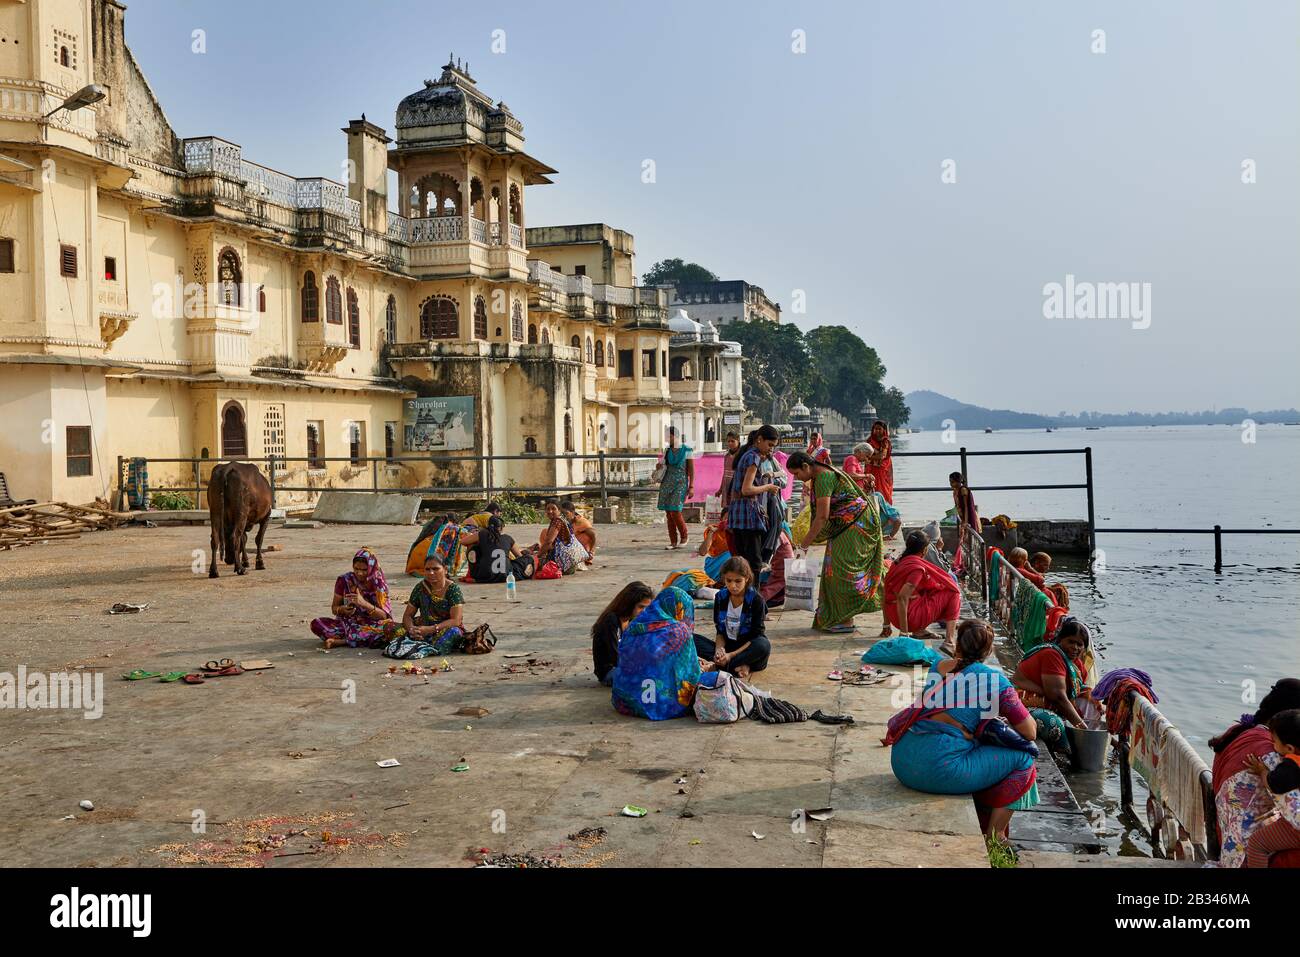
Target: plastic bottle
511	593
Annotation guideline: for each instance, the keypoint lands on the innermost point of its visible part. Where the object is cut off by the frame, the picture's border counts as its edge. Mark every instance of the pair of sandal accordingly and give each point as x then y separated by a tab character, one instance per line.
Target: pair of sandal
216	668
139	674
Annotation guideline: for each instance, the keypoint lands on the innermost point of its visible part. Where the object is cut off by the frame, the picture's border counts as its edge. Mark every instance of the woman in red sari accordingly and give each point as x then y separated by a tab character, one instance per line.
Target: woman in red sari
881	462
918	593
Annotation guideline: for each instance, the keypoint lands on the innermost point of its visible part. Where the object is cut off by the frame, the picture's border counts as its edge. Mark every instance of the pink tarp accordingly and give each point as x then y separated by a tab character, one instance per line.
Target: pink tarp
708	474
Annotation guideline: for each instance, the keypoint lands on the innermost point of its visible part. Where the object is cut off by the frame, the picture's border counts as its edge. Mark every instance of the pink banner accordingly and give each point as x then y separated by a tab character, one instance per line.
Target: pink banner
708	474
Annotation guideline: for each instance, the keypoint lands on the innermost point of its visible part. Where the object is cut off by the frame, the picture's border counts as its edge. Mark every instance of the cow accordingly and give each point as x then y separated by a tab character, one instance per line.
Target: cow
239	496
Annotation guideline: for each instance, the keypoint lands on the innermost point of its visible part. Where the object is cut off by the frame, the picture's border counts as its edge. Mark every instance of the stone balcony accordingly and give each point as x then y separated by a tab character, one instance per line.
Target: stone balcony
696	392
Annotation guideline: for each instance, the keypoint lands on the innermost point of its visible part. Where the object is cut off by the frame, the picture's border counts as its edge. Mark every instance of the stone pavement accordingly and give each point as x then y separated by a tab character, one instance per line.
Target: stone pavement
551	758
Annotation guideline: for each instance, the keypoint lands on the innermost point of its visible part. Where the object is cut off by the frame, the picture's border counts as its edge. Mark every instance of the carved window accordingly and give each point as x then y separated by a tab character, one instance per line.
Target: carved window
576	343
480	318
229	278
530	446
234	432
310	298
390	320
354	319
609	355
333	301
591	356
517	322
532	334
439	319
600	352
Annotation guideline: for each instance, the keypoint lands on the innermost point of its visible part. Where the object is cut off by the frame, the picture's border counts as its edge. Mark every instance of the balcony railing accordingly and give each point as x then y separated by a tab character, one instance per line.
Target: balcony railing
399	227
436	229
618	295
478	231
516	236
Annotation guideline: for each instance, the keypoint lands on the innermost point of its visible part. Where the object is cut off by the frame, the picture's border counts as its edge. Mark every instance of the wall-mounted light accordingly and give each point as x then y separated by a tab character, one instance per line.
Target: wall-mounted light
86	96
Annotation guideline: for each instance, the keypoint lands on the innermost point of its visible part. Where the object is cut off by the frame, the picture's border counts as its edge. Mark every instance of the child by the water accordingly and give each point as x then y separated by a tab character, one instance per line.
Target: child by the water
1277	834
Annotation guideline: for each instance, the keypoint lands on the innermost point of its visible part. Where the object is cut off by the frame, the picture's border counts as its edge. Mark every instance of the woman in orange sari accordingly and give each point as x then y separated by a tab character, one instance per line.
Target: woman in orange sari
881	461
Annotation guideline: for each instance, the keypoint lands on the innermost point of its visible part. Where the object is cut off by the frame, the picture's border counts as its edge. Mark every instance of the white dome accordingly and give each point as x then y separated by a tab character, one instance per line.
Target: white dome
800	411
682	324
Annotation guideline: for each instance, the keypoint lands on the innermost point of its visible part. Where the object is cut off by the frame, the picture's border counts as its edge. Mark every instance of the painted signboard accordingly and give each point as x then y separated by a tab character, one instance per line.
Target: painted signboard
440	424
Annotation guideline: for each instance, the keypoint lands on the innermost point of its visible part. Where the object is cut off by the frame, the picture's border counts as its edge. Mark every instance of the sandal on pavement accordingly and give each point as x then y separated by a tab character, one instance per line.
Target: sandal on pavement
173	676
193	679
140	674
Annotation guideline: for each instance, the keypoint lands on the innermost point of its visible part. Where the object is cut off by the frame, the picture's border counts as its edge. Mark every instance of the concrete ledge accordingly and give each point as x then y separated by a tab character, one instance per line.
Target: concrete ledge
367	508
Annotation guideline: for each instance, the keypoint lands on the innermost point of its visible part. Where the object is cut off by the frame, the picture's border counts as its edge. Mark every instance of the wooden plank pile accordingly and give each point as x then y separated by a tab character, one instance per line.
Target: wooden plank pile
52	521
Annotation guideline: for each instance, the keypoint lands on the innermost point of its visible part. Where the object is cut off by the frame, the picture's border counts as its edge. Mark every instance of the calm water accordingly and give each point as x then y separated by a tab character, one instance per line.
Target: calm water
1206	639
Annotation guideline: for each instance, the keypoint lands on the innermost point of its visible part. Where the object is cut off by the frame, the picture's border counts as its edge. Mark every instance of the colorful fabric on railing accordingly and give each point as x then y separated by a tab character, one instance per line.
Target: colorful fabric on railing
1028	614
1170	767
137	483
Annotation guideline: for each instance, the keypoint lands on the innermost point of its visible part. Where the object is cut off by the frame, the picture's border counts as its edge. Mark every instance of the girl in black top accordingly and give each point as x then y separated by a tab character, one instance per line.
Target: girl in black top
607	630
739	614
493	555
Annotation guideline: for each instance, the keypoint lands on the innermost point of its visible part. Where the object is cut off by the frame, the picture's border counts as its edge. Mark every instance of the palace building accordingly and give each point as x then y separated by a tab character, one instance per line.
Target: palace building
170	298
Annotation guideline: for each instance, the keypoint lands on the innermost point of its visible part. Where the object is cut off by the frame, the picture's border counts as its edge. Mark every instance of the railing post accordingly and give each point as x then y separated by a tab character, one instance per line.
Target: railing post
487	476
198	488
1092	518
965	480
121	484
374	474
1218	548
604	490
270	476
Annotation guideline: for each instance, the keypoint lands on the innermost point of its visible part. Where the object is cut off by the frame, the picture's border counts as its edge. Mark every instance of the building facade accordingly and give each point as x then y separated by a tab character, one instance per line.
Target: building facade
169	298
725	301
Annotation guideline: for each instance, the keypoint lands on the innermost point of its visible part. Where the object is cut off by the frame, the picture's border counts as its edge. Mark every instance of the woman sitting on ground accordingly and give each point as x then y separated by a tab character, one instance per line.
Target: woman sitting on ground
1242	800
919	593
935	745
481	519
439	538
715	549
739	613
558	544
1052	680
609	627
1019	559
658	668
1279	774
363	617
583	529
849	524
494	556
433	620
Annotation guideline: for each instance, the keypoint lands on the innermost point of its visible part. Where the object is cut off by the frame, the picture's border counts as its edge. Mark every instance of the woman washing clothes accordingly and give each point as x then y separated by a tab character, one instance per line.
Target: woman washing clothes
741	645
363	617
1051	679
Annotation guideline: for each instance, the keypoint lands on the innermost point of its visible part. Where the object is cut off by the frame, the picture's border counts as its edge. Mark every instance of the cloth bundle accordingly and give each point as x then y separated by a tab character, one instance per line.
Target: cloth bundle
1113	692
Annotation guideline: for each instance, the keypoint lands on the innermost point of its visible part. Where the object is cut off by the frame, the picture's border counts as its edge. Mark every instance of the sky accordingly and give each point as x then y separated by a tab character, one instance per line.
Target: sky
918	171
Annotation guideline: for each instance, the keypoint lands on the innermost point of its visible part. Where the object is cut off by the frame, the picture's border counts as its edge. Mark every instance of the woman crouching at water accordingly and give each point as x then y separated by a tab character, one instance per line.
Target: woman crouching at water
739	613
609	627
1051	679
935	745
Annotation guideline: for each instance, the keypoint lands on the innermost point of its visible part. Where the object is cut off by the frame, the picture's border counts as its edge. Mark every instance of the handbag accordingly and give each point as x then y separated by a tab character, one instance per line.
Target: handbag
725	701
547	572
657	476
480	641
997	733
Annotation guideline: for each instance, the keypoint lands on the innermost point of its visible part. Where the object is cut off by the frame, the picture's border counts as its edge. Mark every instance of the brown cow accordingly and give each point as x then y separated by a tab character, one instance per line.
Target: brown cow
239	496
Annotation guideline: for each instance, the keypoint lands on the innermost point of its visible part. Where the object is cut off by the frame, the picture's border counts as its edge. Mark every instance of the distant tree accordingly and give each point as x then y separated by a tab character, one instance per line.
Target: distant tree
849	372
674	270
892	407
777	363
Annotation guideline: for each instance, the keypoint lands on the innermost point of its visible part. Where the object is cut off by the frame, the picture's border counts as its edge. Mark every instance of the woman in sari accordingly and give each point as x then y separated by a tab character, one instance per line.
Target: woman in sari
936	746
919	593
1051	678
818	452
880	462
964	501
658	668
855	548
433	622
1240	796
583	529
676	487
440	539
855	463
493	555
363	617
891	520
558	544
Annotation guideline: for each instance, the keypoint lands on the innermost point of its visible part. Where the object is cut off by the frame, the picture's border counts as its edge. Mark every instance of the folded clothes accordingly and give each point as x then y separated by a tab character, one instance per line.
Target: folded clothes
1111	678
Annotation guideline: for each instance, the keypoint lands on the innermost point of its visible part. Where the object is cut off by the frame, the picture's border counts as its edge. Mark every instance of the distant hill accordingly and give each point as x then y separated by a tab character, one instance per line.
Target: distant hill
929	409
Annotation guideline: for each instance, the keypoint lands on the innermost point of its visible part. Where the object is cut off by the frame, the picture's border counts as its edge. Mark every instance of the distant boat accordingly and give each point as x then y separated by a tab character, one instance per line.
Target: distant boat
987	429
1092	428
1049	428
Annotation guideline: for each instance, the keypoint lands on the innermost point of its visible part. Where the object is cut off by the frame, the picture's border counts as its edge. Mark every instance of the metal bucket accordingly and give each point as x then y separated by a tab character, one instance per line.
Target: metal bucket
1088	748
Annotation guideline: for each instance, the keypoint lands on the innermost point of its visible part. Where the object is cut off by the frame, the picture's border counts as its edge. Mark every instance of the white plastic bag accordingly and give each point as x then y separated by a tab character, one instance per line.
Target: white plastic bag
712	509
800	585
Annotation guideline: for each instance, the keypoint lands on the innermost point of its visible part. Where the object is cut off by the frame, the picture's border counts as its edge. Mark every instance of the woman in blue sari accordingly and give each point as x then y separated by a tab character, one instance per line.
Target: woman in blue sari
658	668
938	746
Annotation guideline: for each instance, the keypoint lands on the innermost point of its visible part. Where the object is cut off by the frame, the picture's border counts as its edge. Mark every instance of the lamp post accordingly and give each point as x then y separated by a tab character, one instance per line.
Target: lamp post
86	96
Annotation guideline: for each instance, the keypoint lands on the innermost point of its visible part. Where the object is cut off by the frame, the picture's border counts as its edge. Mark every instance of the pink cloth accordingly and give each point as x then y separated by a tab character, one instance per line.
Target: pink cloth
708	474
774	588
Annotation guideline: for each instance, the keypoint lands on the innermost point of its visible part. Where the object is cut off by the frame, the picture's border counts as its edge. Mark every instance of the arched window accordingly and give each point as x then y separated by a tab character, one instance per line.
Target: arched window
439	319
609	355
310	298
390	320
600	352
333	301
517	322
64	59
476	199
532	334
576	343
229	278
480	318
234	433
568	432
314	459
261	299
354	319
591	356
546	336
530	446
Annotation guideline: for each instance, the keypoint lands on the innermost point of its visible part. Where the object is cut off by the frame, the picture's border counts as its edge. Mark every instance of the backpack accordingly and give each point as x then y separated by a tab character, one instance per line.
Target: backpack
722	698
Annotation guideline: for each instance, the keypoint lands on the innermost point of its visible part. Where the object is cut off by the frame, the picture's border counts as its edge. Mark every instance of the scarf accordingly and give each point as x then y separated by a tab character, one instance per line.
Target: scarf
373	583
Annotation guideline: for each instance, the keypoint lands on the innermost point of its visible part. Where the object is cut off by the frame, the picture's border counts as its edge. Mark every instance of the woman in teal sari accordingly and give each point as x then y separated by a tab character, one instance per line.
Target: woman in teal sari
850	525
658	669
676	487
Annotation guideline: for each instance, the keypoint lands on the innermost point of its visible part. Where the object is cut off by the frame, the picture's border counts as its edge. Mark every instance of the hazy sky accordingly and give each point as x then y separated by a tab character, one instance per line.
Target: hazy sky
822	171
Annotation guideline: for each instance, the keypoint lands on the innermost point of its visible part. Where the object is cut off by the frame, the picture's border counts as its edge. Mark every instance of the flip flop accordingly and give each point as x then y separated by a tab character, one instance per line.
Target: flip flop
825	718
840	629
193	679
173	676
232	670
215	665
140	674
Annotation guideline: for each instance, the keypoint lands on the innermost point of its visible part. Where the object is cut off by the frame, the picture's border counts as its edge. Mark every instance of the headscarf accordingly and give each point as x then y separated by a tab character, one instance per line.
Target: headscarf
373	582
658	668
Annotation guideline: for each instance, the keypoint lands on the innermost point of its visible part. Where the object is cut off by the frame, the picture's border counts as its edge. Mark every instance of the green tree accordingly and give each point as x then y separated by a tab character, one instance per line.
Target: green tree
849	372
892	407
674	270
777	362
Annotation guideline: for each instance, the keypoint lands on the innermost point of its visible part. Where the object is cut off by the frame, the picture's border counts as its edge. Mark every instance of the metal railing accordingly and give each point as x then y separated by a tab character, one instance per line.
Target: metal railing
487	486
1217	531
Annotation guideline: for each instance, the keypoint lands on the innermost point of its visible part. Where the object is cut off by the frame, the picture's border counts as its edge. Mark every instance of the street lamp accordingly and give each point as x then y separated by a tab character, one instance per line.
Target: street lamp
86	96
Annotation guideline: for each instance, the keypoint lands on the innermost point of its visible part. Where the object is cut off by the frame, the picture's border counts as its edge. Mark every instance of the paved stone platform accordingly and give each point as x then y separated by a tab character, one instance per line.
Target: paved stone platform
551	758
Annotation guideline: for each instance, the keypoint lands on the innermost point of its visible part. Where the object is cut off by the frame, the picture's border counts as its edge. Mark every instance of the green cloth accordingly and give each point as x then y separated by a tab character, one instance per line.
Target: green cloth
854	566
1028	614
1026	800
995	575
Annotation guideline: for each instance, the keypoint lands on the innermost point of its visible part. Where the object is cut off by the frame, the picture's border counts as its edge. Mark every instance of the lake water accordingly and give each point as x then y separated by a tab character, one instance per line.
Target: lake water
1212	643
